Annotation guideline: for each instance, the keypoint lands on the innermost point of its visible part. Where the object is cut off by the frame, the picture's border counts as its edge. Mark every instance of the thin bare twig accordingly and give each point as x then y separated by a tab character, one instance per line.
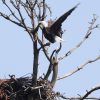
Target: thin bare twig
88	33
12	13
44	11
9	19
38	87
59	95
79	68
27	9
90	91
23	22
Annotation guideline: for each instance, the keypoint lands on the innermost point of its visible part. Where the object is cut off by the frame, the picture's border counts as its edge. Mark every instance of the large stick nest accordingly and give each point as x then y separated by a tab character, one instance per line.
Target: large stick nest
22	89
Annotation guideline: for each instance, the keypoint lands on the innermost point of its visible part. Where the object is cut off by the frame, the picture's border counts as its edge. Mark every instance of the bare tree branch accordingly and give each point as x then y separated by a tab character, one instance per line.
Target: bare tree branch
50	68
47	44
50	65
20	21
44	11
55	71
88	33
48	71
44	50
26	9
79	68
7	17
35	3
90	91
59	95
23	22
12	13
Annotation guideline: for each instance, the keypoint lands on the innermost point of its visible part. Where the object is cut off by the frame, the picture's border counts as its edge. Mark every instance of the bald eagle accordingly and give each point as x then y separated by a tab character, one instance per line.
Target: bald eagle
53	33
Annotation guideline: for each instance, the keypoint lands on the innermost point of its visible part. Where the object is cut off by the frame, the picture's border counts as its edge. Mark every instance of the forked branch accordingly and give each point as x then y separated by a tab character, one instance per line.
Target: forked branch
89	92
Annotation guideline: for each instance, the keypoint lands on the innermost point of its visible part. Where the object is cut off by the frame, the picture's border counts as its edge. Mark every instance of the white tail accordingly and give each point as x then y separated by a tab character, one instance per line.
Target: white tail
58	39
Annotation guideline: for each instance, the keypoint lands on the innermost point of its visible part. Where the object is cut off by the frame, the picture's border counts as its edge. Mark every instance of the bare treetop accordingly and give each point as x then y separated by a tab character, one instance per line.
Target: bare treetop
31	15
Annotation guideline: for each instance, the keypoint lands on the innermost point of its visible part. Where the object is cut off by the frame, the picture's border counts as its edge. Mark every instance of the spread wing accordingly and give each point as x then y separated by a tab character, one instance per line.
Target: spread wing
56	27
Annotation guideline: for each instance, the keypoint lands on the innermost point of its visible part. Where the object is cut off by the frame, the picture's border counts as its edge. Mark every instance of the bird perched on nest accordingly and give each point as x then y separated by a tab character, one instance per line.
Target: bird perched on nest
53	33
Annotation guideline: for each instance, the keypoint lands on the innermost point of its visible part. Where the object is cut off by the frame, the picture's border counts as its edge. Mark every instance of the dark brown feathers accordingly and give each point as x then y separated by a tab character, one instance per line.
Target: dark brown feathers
56	26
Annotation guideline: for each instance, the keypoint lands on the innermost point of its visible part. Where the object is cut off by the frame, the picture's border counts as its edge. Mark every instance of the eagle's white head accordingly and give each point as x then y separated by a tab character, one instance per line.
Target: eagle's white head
43	24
